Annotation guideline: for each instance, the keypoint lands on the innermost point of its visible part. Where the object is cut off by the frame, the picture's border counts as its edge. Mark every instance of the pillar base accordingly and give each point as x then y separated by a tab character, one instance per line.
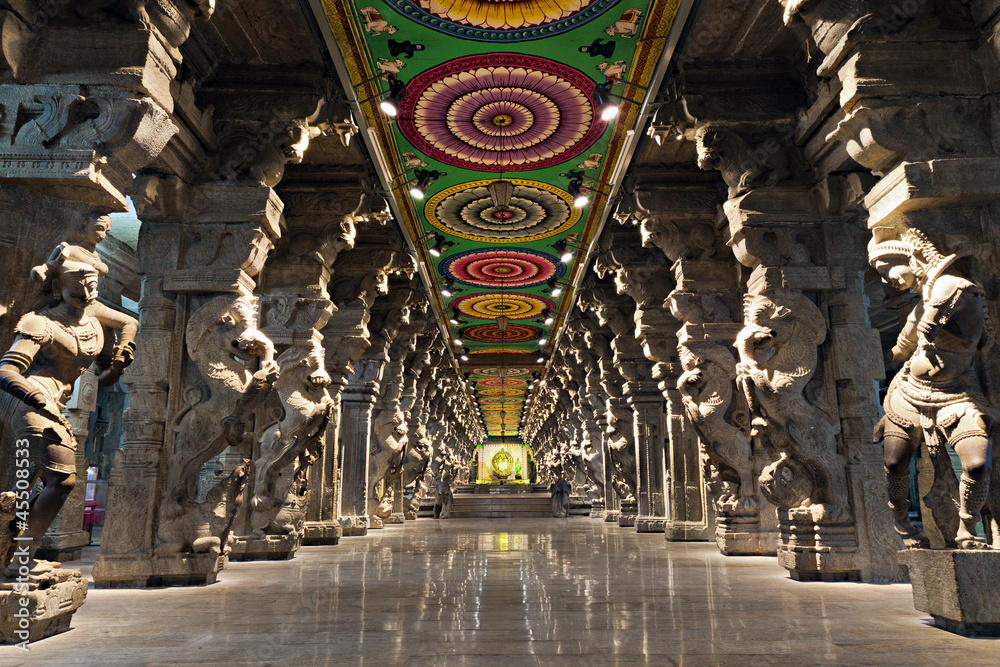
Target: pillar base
597	509
816	551
375	522
322	532
650	524
396	517
50	606
959	588
265	547
183	569
611	516
686	531
628	514
743	536
63	546
354	526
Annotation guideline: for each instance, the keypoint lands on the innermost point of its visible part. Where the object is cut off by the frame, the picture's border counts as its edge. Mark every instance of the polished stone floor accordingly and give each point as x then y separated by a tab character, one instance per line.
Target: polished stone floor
507	592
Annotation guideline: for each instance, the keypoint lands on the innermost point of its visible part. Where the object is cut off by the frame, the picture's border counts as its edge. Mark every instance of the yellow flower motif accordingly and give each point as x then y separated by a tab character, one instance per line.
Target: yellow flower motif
503	14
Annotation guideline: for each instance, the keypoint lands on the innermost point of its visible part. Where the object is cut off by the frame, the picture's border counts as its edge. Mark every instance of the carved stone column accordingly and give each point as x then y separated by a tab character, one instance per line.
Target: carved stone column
291	428
375	254
358	277
831	521
200	249
399	328
643	276
618	415
908	95
707	305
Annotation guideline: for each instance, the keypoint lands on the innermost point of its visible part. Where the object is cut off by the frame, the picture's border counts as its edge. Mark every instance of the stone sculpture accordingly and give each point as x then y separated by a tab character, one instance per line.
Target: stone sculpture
706	389
56	343
778	357
291	444
222	340
936	398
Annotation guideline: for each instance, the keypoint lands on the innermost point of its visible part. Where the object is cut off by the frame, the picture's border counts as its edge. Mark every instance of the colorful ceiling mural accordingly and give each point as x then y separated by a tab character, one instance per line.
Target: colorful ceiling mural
492	124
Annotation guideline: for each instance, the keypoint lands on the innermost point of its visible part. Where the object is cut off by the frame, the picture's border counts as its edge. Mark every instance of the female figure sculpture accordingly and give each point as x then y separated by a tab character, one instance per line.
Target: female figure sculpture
936	397
56	343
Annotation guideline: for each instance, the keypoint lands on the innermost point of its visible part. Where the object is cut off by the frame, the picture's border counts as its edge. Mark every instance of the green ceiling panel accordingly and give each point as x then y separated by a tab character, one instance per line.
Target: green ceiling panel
508	91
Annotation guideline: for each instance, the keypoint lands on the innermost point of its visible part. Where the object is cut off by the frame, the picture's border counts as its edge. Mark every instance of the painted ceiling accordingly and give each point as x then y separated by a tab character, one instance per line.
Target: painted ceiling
500	90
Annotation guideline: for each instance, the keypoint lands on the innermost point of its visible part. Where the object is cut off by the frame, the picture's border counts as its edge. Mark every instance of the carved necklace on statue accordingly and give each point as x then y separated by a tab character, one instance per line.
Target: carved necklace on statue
85	334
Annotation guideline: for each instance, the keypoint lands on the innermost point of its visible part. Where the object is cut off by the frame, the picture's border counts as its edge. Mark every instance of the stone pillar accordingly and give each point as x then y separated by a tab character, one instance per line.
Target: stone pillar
294	307
393	319
831	525
76	125
691	518
200	248
359	276
357	401
643	275
679	220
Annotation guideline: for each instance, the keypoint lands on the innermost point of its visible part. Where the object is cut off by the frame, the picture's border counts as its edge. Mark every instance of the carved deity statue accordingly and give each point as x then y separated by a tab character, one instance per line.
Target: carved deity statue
936	398
56	343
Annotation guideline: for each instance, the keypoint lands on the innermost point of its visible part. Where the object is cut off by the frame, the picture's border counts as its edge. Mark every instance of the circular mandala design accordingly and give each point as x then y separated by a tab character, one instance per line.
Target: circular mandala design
508	267
500	112
537	210
492	305
509	405
490	333
499	350
502	382
500	400
502	391
507	20
494	372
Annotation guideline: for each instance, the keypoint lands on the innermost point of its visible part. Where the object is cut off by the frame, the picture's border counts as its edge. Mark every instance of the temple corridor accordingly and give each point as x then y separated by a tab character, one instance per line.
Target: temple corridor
572	591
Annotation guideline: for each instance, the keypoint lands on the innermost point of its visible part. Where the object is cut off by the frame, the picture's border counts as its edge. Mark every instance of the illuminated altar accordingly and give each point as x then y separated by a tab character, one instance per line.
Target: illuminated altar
505	462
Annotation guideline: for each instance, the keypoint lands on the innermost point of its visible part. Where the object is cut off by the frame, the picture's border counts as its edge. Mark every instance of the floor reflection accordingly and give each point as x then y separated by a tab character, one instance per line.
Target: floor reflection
507	592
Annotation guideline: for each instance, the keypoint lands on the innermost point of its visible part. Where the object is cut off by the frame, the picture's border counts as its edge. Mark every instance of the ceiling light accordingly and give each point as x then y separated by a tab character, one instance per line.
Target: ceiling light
419	191
543	341
556	292
502	322
397	91
454	317
458	341
464	358
539	360
500	192
549	320
424	178
606	108
566	257
575	190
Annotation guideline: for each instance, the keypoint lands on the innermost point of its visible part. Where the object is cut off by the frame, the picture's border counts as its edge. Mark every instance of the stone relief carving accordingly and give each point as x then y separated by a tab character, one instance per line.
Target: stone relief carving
936	399
778	357
301	387
706	389
222	340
